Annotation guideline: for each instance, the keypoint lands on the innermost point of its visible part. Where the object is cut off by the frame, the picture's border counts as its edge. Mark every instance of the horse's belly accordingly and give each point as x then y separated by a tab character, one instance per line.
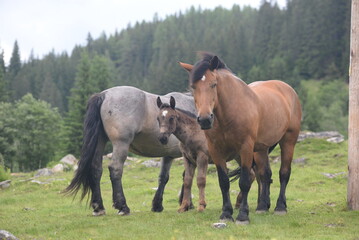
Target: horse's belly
149	146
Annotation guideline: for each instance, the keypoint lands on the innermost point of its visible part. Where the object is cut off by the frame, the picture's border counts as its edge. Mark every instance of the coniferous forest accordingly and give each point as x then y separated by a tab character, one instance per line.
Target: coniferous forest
306	44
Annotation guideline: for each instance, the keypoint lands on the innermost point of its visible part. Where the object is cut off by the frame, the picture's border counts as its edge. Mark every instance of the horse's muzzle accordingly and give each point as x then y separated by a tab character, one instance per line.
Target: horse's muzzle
206	122
163	139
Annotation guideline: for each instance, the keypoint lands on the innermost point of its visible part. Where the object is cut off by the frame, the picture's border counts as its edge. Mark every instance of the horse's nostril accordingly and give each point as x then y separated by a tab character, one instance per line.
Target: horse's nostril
211	115
198	119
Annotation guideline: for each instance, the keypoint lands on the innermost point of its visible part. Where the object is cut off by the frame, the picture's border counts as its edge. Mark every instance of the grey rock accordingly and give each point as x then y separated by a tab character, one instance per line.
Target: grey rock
324	135
7	236
69	159
152	163
5	184
58	168
43	172
219	225
336	139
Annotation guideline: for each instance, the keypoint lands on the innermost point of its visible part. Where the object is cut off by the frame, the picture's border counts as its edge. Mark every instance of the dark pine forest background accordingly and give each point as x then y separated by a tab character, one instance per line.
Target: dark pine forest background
306	44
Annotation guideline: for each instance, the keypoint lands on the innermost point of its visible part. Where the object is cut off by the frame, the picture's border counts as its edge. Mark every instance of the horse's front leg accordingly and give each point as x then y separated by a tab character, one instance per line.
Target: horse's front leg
186	203
120	151
202	166
227	209
245	185
163	178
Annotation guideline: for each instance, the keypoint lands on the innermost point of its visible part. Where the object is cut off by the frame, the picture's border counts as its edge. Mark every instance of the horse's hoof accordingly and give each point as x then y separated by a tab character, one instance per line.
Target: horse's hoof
200	208
261	211
226	219
182	210
99	213
157	209
122	213
280	212
245	222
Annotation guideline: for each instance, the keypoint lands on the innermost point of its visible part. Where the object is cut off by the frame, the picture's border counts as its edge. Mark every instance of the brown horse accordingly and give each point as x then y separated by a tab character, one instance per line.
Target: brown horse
245	120
193	145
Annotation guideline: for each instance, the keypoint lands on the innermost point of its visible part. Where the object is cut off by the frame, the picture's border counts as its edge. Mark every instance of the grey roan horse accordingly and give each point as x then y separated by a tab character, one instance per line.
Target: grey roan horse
127	117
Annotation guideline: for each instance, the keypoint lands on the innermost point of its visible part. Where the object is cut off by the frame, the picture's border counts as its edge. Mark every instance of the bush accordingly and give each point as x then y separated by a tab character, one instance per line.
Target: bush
4	174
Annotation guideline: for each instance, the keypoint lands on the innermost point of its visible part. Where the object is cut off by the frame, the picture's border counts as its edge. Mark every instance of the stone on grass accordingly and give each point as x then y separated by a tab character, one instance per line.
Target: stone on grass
5	184
58	168
219	225
44	172
7	236
152	163
69	159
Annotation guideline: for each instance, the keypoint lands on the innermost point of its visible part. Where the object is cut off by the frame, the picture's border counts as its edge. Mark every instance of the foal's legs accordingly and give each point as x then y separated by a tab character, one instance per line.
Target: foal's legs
287	144
119	155
187	185
264	178
166	163
202	166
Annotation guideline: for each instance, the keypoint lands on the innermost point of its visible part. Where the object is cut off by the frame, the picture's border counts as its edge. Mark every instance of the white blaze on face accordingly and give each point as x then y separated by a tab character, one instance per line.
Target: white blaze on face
164	113
203	78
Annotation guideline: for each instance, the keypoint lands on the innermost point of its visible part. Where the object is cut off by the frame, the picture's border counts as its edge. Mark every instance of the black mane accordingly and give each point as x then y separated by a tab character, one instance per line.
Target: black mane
203	65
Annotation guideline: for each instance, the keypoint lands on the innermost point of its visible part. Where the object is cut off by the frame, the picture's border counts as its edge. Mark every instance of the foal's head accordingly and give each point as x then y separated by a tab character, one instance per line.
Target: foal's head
166	119
203	81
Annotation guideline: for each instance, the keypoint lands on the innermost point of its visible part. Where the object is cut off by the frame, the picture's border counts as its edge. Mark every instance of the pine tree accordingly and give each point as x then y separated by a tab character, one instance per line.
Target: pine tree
15	62
3	85
100	73
13	70
83	89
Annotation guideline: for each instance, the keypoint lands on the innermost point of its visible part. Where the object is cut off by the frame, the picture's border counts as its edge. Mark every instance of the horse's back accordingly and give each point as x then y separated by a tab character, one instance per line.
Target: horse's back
129	115
275	91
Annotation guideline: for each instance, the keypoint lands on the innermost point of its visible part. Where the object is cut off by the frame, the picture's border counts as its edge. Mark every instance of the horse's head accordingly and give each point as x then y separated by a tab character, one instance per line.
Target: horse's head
166	119
203	81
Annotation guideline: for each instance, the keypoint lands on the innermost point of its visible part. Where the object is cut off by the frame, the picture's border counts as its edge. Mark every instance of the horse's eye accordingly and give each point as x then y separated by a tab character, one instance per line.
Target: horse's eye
213	85
171	119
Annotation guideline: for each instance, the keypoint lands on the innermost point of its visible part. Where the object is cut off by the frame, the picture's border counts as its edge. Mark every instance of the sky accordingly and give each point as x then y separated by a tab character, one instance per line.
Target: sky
45	25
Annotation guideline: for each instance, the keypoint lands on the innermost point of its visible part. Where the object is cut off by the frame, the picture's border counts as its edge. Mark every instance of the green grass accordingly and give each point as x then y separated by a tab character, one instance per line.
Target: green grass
316	205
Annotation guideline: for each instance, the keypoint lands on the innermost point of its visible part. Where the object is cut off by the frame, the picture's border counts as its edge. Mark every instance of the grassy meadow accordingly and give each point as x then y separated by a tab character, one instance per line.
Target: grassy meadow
316	199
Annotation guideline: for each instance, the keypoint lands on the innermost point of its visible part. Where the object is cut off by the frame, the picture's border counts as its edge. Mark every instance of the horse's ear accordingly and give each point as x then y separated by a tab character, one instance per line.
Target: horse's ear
214	63
186	66
172	102
159	102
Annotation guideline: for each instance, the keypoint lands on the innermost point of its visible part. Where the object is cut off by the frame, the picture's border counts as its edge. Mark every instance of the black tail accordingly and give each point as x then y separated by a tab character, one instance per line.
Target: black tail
93	133
235	174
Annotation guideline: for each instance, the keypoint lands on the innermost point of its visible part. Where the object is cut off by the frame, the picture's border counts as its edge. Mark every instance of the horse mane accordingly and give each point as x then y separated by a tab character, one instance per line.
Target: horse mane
188	113
203	65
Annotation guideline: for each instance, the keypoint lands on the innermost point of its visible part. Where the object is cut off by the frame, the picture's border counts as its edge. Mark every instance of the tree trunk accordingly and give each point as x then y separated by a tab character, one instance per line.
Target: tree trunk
353	142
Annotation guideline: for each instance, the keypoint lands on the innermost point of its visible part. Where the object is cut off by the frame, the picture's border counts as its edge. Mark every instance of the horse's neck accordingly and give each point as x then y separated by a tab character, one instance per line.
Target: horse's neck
230	90
184	128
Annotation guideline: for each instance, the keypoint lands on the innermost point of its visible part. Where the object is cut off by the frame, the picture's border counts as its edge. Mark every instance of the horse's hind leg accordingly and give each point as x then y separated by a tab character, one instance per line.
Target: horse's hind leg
287	144
119	155
166	163
239	196
264	179
96	168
